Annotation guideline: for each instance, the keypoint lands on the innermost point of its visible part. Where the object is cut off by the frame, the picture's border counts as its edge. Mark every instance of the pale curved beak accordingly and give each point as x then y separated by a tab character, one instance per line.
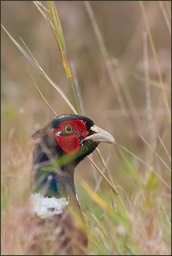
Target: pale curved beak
100	135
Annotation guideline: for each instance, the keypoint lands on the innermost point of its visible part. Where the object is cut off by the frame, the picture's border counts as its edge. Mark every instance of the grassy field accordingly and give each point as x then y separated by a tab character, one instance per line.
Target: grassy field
119	57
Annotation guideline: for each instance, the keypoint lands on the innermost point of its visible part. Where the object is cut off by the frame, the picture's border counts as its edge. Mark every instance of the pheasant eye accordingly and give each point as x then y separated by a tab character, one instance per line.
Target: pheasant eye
69	129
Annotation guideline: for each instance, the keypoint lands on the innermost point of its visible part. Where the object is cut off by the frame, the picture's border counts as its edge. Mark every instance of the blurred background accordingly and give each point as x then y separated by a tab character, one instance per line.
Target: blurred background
119	53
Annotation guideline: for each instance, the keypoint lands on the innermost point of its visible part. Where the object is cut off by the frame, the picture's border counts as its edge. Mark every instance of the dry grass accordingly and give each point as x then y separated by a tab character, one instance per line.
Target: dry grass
118	58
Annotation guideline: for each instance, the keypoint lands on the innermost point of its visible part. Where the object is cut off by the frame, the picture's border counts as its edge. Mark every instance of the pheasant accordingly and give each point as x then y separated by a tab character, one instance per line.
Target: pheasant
53	221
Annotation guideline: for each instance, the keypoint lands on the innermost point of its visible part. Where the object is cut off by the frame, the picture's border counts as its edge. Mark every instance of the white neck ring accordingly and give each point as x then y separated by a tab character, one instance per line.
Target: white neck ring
46	207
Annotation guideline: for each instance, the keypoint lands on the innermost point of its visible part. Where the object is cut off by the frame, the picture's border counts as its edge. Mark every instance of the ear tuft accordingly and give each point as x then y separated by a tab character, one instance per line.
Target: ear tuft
36	134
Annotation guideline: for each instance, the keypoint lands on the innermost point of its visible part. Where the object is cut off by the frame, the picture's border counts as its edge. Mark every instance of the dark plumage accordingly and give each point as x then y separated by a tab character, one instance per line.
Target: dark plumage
53	221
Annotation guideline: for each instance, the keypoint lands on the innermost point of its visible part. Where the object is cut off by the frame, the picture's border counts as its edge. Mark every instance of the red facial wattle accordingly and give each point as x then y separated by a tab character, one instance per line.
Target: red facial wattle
68	134
69	144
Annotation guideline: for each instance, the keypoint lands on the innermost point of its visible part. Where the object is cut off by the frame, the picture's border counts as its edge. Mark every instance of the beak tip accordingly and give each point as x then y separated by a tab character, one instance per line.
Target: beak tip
113	141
